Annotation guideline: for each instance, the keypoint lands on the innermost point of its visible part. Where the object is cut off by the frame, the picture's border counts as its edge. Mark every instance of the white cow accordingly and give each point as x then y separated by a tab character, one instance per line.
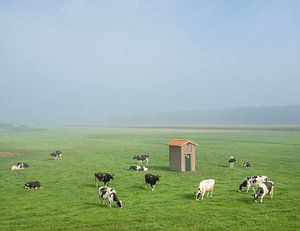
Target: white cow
205	186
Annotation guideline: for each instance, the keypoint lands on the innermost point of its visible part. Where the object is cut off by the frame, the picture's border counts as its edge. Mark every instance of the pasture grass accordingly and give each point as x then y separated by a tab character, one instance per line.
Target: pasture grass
68	199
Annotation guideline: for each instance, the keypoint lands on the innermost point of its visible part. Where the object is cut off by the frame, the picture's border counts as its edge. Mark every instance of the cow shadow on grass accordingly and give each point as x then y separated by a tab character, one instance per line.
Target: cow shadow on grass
90	204
137	188
223	165
190	196
97	205
91	186
246	200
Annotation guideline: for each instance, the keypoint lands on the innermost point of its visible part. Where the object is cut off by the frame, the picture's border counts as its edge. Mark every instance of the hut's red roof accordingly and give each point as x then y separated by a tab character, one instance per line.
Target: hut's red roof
180	142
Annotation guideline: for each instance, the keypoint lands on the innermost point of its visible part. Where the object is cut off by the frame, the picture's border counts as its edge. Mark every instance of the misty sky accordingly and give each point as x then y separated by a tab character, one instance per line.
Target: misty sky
82	61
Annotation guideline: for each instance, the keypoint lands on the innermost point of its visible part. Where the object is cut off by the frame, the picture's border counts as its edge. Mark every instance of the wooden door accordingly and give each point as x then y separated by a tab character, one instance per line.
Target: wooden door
188	162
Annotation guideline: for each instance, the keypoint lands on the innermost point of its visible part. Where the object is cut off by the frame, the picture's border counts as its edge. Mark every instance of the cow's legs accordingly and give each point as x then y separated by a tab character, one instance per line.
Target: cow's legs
271	194
153	187
261	198
202	195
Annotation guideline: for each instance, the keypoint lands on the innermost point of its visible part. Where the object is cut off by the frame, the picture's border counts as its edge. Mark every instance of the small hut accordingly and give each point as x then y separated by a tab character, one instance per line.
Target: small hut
182	155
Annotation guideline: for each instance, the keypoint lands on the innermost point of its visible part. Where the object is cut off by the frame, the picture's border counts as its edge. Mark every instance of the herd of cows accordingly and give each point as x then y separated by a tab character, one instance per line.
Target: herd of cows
260	184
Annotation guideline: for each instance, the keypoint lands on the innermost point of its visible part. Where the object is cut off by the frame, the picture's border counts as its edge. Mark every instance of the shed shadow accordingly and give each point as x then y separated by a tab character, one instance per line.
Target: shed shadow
162	168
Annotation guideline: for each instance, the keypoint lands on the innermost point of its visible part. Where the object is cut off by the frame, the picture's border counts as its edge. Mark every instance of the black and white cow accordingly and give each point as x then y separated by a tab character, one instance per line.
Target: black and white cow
105	177
56	154
151	180
32	184
263	189
141	158
107	193
231	161
19	166
246	164
205	186
252	181
138	168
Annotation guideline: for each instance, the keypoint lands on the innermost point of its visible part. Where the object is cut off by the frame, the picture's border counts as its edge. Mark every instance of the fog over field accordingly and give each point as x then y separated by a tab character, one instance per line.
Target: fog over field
85	62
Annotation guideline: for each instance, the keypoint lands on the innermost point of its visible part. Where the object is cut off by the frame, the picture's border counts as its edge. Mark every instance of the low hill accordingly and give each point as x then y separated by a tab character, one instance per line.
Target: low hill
272	115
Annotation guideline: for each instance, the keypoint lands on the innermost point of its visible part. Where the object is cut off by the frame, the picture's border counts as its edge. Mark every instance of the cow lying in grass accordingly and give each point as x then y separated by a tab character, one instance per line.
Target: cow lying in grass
263	189
109	194
138	168
205	186
105	177
151	180
252	181
19	166
32	184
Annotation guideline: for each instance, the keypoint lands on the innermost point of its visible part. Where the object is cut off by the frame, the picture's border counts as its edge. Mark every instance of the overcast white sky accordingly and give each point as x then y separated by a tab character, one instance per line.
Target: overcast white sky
81	61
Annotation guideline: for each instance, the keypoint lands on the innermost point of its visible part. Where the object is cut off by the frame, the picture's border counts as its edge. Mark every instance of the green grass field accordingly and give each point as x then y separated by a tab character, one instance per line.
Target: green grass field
68	199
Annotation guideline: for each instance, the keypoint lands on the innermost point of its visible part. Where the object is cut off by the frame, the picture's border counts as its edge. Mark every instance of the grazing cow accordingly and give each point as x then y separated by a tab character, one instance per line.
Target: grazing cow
252	181
106	193
205	186
141	158
56	155
32	184
138	168
151	180
19	165
264	188
231	161
105	177
246	164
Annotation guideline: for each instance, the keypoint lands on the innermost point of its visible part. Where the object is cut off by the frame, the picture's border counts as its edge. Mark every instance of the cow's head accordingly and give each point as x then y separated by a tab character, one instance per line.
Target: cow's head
243	184
258	193
14	167
27	185
198	194
120	204
255	197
